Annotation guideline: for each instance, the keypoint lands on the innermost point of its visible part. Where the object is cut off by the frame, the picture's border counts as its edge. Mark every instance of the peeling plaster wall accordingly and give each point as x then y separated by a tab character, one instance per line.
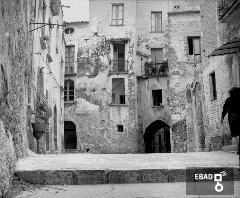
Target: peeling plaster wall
14	78
95	117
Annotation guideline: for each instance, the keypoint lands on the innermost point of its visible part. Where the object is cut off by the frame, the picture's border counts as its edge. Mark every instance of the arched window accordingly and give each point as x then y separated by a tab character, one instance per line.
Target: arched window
68	90
69	31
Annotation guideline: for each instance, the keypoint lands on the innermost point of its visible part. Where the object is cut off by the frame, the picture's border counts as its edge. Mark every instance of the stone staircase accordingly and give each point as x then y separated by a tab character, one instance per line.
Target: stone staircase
89	169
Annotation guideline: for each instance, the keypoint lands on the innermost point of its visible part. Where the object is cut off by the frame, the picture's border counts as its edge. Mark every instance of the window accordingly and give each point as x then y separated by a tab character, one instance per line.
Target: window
69	59
120	128
156	25
117	14
213	89
118	91
69	31
122	99
157	55
68	90
194	49
157	97
118	62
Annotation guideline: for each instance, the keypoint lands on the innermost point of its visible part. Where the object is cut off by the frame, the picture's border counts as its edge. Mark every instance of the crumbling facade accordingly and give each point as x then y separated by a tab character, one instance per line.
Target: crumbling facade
21	78
220	49
127	73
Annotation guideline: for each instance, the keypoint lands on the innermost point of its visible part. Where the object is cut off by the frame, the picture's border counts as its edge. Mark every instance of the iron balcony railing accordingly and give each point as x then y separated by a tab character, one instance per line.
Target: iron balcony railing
224	6
156	69
119	66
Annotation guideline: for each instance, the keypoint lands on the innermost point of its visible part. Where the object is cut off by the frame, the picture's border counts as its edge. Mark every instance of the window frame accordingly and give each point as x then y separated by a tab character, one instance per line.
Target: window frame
155	29
67	90
153	98
192	38
67	68
117	5
155	51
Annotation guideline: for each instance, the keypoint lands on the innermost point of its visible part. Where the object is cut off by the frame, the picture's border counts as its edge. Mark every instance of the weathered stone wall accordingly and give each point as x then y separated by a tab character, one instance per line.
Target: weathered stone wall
96	119
184	74
179	137
52	72
14	79
226	69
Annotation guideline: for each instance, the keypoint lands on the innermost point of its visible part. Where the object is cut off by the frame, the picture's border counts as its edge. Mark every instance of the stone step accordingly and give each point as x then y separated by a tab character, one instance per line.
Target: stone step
91	169
230	148
93	177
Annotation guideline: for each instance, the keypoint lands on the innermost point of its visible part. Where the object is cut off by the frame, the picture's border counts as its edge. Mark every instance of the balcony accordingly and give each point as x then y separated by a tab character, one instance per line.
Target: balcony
119	66
154	70
227	8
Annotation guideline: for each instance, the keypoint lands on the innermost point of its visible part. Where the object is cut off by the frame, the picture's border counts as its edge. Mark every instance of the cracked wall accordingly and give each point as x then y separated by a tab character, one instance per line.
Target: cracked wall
92	111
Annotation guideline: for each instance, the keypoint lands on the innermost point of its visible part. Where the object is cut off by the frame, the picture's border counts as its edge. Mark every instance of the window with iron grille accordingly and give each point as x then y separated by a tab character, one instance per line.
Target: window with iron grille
156	24
194	48
69	59
157	97
68	90
117	14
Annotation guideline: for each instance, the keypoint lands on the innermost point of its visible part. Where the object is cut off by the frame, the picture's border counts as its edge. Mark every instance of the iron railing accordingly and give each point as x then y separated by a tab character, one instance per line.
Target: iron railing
119	66
156	69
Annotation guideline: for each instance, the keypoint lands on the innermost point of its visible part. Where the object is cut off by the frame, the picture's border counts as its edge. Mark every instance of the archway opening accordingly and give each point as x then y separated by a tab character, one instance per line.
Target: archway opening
70	136
157	138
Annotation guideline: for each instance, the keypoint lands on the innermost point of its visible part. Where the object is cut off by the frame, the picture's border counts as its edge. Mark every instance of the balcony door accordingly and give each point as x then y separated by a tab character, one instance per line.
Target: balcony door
119	56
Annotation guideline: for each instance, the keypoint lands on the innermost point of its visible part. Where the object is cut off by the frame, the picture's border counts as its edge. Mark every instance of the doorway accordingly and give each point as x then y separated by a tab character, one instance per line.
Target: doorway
157	138
70	136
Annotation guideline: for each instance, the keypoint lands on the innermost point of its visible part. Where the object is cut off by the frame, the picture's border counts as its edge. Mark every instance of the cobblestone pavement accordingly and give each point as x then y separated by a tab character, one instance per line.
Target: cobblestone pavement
169	190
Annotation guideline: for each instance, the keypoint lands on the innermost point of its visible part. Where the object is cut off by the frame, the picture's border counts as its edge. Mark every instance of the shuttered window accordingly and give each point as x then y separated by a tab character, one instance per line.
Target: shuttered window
69	59
117	14
157	55
156	21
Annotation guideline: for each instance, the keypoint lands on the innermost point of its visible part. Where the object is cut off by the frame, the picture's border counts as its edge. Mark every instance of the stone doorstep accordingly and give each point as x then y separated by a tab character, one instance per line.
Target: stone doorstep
91	177
230	148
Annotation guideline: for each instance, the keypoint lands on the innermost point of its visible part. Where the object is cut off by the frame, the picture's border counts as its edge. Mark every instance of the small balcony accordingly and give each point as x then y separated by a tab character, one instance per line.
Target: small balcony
119	66
227	8
154	70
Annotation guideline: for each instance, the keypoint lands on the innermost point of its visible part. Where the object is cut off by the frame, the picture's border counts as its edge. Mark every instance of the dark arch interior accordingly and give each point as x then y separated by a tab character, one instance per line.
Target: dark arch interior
157	138
70	136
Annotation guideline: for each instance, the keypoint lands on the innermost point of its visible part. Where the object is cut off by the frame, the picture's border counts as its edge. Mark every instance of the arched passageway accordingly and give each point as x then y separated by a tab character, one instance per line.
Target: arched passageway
157	138
70	136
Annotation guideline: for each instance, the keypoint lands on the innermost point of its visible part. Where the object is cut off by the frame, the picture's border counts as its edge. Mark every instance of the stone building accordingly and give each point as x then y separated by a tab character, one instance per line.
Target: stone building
220	49
48	57
22	73
132	78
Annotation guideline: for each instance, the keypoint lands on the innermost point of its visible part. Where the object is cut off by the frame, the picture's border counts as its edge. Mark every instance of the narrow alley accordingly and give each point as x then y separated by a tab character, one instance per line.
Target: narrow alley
119	98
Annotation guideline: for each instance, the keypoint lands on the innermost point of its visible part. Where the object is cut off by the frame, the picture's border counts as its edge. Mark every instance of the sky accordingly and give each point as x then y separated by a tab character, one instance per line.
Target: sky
78	11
